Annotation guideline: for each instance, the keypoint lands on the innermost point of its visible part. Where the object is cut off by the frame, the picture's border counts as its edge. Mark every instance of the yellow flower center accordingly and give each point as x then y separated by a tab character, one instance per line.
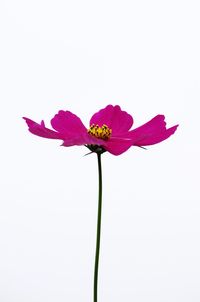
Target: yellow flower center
100	132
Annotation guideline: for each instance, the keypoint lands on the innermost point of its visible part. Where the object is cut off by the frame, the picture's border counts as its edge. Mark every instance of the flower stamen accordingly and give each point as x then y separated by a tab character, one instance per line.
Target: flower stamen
100	132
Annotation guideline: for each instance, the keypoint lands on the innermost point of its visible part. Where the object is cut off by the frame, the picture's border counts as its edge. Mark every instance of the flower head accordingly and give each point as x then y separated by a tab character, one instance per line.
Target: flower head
109	130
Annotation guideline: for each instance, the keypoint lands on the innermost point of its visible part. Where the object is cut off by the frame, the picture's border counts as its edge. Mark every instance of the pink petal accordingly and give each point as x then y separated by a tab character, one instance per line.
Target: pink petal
112	116
82	139
41	130
69	138
117	146
68	123
72	128
152	132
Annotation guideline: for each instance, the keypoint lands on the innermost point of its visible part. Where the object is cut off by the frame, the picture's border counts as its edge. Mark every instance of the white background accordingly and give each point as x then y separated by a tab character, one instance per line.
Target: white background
80	56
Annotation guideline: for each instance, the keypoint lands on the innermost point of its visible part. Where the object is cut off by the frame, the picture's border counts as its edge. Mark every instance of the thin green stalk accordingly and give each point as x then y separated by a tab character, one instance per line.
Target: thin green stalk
98	236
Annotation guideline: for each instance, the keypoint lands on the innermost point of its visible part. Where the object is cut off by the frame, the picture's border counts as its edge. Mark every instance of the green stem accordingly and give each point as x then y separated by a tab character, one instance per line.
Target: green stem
98	229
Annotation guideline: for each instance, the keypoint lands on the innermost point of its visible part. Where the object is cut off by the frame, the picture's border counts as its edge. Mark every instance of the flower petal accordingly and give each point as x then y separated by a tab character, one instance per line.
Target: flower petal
117	146
82	139
112	116
41	130
152	132
68	123
72	128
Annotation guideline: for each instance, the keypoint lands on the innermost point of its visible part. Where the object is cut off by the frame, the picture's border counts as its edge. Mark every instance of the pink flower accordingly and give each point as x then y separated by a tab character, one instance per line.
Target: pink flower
109	130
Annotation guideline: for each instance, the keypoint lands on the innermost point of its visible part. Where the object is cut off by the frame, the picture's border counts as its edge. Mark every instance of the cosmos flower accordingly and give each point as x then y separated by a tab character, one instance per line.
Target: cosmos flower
109	130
